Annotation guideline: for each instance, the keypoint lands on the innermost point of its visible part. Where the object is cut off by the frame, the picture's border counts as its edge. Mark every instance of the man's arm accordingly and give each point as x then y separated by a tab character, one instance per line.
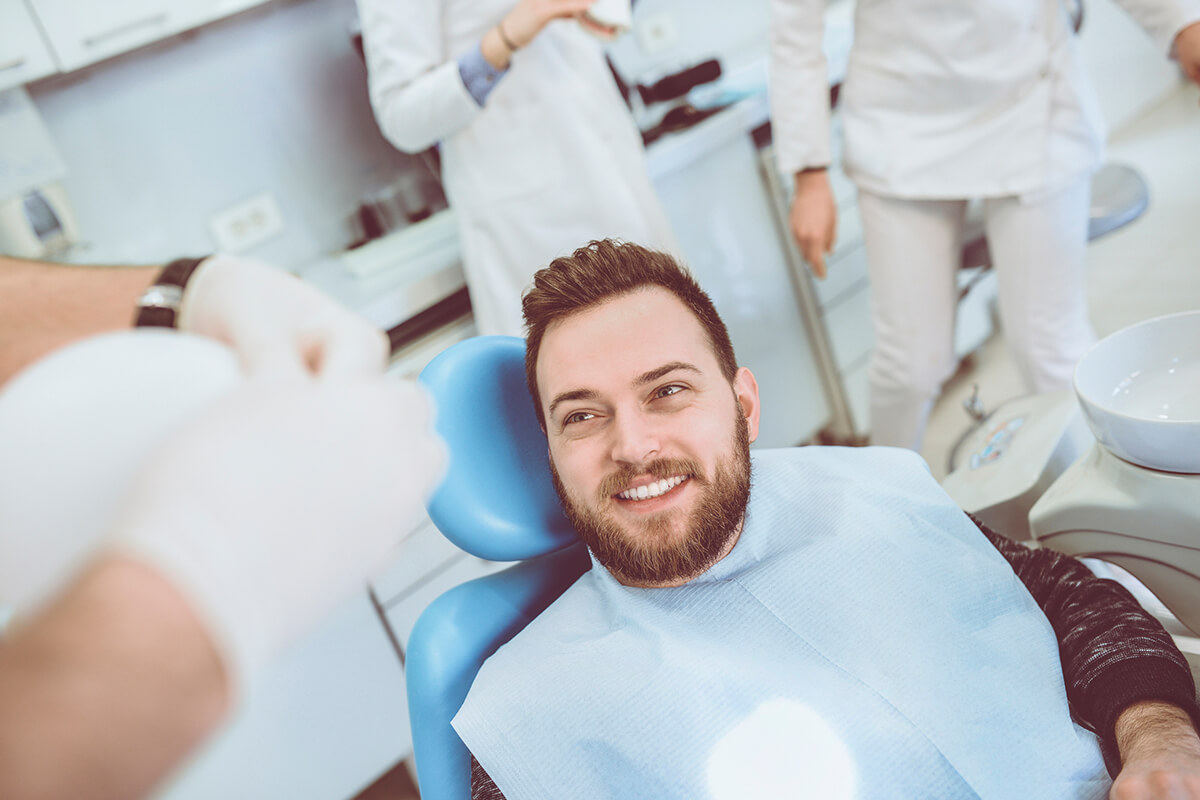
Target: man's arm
482	785
271	319
1161	753
44	306
107	689
1125	678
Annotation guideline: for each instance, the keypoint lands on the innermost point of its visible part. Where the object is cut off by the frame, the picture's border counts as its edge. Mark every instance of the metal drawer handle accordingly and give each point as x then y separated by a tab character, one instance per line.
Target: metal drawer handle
155	19
12	64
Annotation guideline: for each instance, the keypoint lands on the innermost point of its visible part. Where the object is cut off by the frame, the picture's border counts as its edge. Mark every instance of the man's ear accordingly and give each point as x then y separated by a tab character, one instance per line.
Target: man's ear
745	389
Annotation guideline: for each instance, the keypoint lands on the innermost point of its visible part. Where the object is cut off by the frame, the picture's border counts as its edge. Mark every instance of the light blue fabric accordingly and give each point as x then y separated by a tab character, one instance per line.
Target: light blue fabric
860	607
478	75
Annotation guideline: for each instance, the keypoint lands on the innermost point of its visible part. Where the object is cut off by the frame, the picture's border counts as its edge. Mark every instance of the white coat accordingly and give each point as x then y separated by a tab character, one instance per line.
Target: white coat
551	161
946	100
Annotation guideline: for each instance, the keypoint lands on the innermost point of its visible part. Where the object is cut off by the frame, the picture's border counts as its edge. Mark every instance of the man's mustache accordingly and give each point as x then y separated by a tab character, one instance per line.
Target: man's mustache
658	469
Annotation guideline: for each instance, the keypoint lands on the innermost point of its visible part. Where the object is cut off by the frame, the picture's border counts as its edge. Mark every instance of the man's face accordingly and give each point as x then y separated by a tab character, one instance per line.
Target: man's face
649	443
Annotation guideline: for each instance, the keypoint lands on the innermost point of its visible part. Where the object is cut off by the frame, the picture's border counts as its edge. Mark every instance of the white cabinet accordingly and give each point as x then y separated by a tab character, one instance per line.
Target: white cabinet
215	9
83	33
24	55
323	723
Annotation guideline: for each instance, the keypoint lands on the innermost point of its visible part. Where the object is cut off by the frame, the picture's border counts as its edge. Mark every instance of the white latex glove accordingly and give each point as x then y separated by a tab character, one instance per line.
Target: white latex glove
277	323
279	501
74	429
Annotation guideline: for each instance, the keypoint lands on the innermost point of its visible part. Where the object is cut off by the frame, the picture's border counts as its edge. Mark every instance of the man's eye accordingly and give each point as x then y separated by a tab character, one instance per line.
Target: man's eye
578	416
667	391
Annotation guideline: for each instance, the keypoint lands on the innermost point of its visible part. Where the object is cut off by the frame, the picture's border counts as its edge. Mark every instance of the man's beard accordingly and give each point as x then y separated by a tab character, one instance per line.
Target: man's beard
650	554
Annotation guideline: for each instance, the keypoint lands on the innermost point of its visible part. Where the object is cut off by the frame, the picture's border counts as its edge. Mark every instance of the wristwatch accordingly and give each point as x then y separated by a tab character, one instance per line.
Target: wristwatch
159	304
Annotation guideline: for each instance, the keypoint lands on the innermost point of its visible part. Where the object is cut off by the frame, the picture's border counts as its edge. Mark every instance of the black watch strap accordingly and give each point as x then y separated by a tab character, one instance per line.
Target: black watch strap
159	305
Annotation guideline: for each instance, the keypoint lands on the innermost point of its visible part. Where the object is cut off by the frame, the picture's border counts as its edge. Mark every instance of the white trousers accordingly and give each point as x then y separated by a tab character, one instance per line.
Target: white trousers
914	248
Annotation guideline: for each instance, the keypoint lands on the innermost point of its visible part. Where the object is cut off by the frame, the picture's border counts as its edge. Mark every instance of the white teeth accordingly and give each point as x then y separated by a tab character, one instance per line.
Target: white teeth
652	489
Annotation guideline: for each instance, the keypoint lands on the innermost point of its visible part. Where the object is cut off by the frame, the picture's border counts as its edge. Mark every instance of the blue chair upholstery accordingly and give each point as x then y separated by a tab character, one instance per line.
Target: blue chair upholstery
497	502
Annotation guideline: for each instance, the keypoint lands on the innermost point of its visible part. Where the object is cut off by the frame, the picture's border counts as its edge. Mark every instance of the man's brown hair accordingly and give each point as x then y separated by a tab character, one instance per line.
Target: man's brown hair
599	271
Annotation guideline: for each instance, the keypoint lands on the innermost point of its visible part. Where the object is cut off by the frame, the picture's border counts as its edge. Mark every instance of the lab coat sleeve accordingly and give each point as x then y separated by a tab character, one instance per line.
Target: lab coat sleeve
416	89
1113	653
799	85
1162	19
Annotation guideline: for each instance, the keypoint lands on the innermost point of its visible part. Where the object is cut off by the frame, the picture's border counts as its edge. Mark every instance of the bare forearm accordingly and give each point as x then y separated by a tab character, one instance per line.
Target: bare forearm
1148	730
1160	753
44	306
107	689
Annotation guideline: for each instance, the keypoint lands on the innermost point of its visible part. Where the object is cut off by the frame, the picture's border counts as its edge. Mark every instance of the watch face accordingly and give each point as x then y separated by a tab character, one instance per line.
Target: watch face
158	304
162	296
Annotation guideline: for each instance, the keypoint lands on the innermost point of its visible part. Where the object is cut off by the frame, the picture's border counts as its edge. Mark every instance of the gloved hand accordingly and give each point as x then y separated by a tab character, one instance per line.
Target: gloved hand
74	428
278	501
276	323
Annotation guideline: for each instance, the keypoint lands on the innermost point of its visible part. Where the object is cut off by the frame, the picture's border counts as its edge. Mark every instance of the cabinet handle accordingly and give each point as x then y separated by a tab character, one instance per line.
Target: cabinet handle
154	19
12	63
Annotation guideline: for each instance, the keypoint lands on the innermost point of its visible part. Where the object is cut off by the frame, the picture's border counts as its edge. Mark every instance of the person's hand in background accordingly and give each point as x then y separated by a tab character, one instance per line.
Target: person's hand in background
523	23
813	218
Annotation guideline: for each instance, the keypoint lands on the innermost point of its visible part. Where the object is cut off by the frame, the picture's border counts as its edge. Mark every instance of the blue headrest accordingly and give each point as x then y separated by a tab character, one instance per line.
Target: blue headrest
497	501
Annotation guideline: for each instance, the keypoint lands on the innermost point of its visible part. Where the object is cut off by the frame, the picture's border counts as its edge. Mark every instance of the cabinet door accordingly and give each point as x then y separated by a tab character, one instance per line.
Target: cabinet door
83	33
208	10
24	55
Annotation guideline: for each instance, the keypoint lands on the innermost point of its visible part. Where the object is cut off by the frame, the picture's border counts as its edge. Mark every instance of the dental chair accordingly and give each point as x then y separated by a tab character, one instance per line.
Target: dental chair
497	502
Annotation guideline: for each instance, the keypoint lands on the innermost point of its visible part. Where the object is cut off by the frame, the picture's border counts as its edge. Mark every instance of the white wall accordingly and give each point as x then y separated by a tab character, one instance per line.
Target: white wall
158	140
274	99
705	29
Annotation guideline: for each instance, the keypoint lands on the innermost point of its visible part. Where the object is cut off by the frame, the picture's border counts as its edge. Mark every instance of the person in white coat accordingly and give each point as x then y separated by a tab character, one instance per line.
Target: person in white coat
539	151
944	102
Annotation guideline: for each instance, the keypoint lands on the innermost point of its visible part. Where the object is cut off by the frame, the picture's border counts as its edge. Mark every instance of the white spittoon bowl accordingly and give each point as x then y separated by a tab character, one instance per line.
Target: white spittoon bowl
1140	392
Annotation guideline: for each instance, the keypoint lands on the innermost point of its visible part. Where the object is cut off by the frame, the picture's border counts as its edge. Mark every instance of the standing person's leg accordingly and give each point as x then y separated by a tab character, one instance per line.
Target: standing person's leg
1038	245
913	252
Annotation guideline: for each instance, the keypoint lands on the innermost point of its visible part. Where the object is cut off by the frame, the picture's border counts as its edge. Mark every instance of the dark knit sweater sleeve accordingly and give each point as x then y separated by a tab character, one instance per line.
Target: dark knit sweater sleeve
1113	653
482	785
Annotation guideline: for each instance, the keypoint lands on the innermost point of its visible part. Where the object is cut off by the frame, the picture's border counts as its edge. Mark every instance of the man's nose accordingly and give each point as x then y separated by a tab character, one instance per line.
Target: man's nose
635	438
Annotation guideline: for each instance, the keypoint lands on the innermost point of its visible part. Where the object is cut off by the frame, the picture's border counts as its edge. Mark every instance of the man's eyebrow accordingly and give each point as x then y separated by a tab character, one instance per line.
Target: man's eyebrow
665	369
566	397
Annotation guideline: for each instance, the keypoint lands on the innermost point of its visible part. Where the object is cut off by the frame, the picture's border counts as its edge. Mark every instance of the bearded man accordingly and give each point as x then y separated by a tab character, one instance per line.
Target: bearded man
839	630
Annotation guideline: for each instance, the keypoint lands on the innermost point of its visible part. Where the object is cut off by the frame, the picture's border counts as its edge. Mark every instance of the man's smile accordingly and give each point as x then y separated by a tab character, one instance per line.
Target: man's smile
652	490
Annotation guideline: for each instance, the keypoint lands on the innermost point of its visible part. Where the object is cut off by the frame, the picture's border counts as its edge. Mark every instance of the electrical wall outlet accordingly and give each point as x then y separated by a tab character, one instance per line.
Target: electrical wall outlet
657	32
251	222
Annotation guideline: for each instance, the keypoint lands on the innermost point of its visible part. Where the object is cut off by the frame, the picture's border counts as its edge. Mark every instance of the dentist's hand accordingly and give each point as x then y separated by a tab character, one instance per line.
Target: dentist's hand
278	502
813	218
1160	753
277	323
